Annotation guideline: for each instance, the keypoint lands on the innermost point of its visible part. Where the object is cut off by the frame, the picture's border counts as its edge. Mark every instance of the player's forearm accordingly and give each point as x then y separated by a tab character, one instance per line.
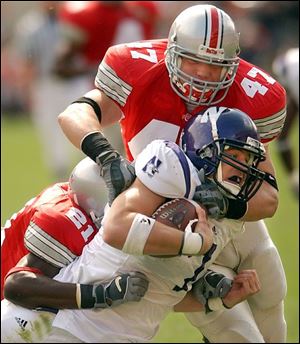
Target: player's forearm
31	291
265	202
162	240
77	121
80	119
263	205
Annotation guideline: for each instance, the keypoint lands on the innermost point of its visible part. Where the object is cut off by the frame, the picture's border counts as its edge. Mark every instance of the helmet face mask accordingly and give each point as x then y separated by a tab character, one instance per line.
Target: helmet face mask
207	140
215	160
207	35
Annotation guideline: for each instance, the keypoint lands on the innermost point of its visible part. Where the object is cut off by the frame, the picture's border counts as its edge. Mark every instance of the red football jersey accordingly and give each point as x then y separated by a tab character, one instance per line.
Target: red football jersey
51	226
134	75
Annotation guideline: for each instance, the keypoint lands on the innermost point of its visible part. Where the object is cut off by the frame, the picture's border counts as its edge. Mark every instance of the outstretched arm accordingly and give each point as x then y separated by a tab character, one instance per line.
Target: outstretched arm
36	288
82	123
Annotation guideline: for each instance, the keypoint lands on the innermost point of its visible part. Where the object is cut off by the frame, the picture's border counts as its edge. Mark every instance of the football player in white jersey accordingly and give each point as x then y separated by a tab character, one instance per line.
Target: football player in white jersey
286	67
164	171
230	155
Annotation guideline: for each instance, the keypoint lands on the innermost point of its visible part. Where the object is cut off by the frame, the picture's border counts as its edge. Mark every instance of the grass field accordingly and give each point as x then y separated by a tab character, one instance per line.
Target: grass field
23	175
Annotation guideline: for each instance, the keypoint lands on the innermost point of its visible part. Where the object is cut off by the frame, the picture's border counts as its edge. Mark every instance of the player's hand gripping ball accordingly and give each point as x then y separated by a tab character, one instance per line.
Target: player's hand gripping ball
177	213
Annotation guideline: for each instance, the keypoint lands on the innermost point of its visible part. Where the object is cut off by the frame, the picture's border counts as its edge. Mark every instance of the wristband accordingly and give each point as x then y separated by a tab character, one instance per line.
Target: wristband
92	144
192	243
138	234
236	209
85	298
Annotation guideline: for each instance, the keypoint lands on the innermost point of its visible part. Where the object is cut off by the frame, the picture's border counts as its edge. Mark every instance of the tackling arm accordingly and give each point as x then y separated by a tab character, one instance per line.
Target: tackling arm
79	119
31	289
81	124
245	284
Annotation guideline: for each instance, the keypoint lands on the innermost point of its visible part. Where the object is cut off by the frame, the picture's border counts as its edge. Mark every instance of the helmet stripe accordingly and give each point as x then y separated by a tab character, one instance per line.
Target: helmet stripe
206	28
222	31
214	32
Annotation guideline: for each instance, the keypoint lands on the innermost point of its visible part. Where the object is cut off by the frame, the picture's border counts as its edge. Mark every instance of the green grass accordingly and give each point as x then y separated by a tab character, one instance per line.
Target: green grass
24	175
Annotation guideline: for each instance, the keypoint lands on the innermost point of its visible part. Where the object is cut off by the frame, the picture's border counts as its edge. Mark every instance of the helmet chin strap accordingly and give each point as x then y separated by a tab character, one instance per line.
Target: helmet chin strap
233	188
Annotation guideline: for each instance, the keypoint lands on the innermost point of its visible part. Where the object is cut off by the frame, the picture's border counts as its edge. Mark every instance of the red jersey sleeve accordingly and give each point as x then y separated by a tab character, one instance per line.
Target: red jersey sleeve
58	234
124	65
259	95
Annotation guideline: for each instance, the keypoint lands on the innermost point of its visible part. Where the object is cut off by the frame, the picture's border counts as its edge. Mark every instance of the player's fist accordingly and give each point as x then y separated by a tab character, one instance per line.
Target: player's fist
245	284
118	175
212	284
127	287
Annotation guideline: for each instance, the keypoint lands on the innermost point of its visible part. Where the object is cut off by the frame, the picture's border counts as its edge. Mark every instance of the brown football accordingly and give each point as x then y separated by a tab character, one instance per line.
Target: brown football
176	213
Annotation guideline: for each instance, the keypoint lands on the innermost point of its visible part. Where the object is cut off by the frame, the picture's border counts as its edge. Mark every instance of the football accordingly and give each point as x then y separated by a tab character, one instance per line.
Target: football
176	213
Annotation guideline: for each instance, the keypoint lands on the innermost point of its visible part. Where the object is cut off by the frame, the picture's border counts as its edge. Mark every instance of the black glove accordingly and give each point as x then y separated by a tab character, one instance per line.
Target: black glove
209	195
212	284
116	171
124	288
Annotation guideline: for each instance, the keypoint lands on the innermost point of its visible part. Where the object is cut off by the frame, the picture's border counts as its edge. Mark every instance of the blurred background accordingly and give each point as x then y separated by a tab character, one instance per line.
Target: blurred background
50	51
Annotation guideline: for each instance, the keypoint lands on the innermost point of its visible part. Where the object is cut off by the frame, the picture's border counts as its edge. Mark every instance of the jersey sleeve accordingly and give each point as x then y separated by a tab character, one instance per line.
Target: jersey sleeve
270	126
124	65
113	79
45	237
164	169
260	96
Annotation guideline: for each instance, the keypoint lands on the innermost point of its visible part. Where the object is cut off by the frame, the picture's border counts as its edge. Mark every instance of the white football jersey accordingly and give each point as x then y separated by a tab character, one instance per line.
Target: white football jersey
164	168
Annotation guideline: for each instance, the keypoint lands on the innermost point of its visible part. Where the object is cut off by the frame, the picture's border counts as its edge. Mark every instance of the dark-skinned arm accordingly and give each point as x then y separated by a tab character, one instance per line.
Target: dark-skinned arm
32	290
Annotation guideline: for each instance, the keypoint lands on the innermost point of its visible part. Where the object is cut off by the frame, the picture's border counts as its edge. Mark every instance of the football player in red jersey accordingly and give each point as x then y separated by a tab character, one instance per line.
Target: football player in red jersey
153	88
90	27
48	233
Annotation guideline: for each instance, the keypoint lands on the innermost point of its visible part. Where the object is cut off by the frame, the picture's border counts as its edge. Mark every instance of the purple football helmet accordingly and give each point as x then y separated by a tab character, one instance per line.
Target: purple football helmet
208	135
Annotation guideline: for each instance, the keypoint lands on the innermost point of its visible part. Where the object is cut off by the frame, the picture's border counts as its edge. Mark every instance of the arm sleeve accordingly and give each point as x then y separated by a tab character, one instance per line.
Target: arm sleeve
44	237
112	78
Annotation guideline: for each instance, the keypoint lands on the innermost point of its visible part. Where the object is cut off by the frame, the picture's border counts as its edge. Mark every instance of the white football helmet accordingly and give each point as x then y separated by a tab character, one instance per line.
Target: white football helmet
206	34
88	190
